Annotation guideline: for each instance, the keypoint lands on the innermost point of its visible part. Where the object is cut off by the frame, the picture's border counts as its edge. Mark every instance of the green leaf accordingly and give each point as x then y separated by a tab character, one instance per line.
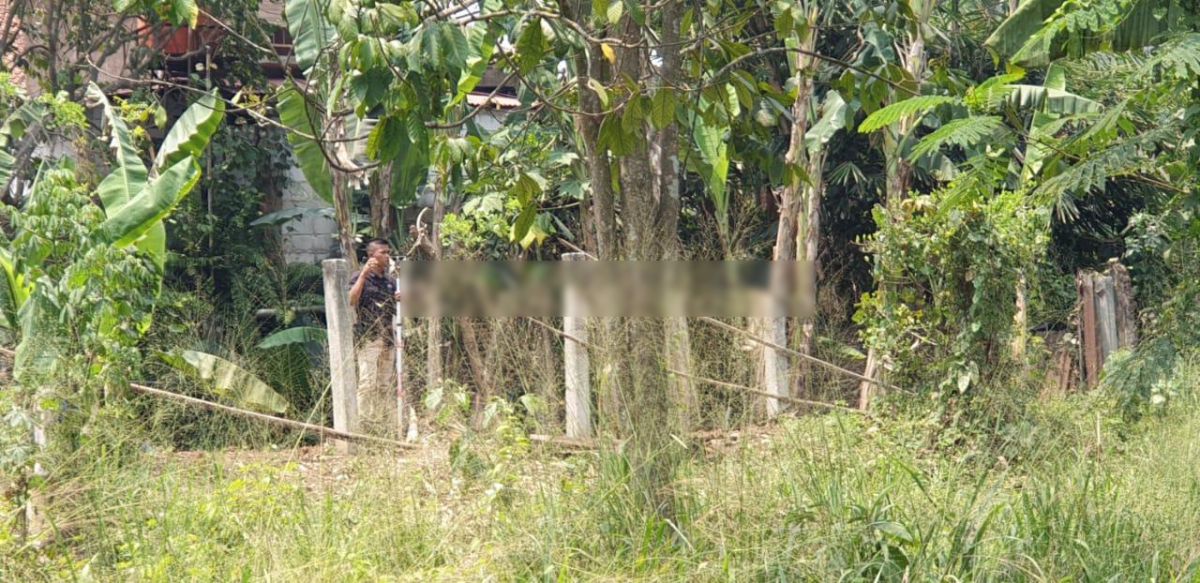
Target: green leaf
7	163
600	9
481	40
634	114
16	289
614	138
835	116
712	143
130	175
1020	26
387	139
1056	78
305	122
180	12
601	91
1035	97
1178	58
531	46
153	244
192	131
963	132
616	8
411	168
913	106
524	221
895	530
229	380
662	108
130	221
297	335
310	30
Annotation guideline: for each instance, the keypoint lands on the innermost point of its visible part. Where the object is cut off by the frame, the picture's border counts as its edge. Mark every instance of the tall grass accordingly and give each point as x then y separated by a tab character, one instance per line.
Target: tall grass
820	498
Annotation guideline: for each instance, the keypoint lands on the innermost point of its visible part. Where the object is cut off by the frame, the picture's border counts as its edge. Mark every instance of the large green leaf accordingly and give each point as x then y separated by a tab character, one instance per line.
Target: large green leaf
712	143
228	380
192	131
297	335
481	40
19	121
130	175
835	115
310	29
411	168
1020	26
298	114
130	221
1051	100
15	291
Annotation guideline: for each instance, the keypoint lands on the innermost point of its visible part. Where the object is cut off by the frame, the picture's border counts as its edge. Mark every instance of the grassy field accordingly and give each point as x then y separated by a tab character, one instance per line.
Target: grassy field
1075	494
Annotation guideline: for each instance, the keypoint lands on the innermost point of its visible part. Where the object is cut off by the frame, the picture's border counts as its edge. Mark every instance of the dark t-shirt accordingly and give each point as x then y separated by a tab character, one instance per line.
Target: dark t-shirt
376	307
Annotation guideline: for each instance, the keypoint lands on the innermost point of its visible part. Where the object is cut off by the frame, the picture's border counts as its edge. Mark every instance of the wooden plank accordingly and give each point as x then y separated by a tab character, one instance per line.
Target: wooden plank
1087	329
342	367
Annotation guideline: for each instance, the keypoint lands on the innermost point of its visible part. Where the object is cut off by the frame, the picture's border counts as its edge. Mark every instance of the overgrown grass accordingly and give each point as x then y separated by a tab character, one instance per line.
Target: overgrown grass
834	497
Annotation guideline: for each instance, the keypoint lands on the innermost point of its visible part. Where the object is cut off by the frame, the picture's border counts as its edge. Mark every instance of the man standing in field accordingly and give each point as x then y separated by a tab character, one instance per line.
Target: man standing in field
373	295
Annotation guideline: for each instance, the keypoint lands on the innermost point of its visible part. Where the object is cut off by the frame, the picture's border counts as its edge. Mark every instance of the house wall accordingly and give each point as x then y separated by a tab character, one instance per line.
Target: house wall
312	237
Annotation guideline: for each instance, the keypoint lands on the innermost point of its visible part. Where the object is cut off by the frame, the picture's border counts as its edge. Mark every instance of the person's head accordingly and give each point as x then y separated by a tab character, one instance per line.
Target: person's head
379	249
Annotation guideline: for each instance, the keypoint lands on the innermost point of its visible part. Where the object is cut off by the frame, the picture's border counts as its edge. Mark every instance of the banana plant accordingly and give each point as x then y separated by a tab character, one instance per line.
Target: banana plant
136	198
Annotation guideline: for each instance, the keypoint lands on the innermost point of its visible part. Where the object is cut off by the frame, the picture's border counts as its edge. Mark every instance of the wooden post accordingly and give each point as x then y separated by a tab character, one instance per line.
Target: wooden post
1126	313
339	320
775	363
576	362
1106	317
1087	329
1020	321
36	524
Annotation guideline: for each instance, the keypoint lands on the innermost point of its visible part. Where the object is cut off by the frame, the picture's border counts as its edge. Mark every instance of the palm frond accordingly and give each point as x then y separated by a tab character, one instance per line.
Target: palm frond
1178	59
963	132
1124	158
895	112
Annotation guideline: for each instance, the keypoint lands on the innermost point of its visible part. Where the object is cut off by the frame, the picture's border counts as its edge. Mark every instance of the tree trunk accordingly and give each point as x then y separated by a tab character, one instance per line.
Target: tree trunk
382	217
776	366
343	215
644	382
808	240
477	359
590	64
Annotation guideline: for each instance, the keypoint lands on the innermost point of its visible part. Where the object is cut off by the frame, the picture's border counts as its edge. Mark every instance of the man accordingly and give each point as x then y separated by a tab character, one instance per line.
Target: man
372	295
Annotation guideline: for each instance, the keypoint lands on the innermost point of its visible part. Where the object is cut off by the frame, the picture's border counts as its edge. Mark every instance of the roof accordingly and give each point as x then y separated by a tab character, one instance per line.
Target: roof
496	101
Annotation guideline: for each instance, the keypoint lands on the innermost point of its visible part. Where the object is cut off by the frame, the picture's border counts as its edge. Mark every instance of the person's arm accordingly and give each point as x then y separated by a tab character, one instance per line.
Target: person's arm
356	289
